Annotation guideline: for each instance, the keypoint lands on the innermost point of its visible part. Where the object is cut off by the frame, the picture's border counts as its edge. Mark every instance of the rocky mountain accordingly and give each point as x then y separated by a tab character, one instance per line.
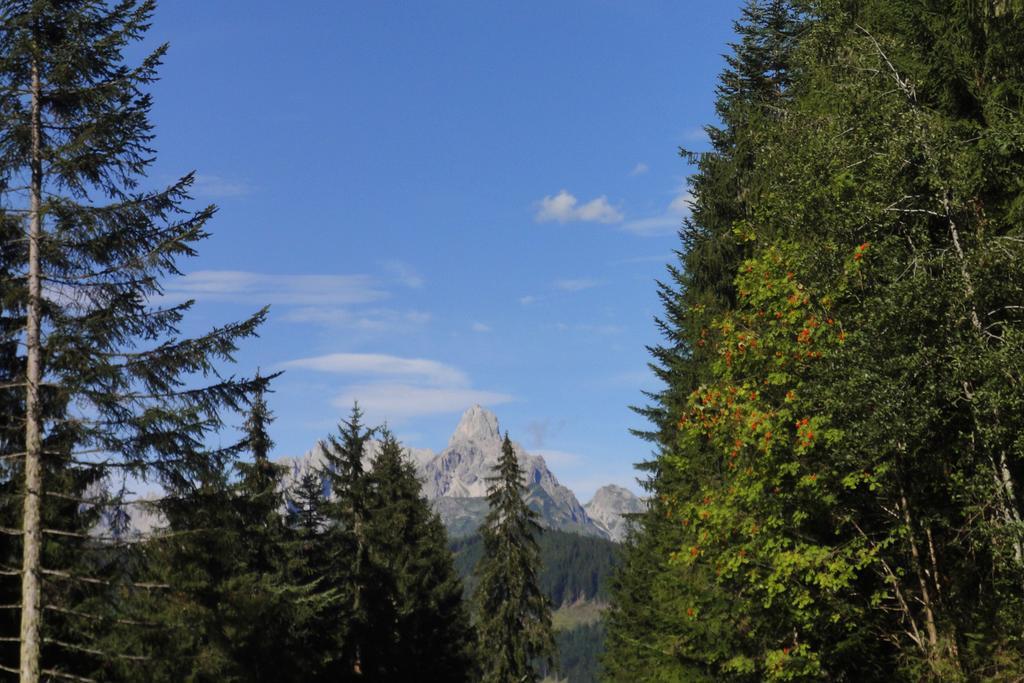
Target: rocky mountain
455	480
607	507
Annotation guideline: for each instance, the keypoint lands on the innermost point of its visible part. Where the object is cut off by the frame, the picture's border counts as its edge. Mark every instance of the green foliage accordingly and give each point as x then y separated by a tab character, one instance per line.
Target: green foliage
419	623
382	598
837	494
575	575
572	567
124	393
579	650
513	616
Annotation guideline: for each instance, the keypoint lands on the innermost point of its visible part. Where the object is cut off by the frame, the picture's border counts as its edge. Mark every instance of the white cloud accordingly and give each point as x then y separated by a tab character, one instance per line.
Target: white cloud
576	285
660	258
236	286
527	300
681	204
655	225
393	388
565	208
404	273
665	223
216	187
587	328
379	364
482	328
640	169
374	320
696	134
400	400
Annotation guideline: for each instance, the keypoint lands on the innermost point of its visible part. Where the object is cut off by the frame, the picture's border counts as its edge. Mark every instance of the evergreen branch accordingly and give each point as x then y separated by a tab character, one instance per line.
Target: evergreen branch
97	617
103	582
70	677
91	651
99	503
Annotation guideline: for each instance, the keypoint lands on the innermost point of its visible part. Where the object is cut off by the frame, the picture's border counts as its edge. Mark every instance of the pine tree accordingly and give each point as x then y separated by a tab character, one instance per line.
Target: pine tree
513	616
76	126
417	619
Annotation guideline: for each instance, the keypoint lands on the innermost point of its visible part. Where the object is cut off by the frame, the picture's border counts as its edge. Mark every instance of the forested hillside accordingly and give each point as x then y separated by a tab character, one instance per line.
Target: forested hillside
575	575
573	567
836	490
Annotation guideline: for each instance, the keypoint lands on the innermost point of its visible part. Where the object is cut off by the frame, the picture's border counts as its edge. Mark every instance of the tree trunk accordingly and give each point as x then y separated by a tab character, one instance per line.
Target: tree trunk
31	522
1001	475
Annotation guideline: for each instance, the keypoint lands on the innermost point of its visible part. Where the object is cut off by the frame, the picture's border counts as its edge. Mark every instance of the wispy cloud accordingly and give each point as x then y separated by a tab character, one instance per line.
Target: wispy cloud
527	300
566	208
589	328
379	364
400	400
404	274
665	223
576	285
640	169
238	286
482	328
216	187
635	379
540	431
696	134
653	258
369	321
393	388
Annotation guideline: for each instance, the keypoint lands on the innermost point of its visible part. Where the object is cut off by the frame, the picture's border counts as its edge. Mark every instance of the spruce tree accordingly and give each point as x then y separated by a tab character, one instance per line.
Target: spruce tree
305	513
318	624
649	607
513	616
258	492
417	619
838	480
343	553
268	604
96	337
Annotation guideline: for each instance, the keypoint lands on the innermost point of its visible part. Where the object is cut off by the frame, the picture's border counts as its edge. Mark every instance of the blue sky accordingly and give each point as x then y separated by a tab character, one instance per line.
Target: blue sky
445	203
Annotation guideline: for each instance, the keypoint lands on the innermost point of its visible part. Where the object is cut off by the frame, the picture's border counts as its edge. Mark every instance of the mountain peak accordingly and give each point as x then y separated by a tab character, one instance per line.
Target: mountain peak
608	506
477	424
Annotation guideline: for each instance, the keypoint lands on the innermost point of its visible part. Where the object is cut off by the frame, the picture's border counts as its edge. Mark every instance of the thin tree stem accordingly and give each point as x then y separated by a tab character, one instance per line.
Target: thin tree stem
31	614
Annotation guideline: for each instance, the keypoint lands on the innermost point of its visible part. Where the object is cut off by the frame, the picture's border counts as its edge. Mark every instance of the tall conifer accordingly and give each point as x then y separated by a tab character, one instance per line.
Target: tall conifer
344	550
513	615
418	621
75	117
649	608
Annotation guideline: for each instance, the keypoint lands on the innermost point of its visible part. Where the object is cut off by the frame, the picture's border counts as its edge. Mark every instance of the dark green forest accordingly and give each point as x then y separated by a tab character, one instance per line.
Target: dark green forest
573	567
835	481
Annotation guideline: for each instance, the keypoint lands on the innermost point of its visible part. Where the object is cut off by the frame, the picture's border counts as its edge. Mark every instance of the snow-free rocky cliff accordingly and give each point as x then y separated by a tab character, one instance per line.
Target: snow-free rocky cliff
608	506
455	481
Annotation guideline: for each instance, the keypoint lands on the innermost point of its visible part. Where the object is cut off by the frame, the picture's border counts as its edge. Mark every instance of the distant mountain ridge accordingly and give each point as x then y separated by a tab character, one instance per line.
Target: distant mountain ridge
455	481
